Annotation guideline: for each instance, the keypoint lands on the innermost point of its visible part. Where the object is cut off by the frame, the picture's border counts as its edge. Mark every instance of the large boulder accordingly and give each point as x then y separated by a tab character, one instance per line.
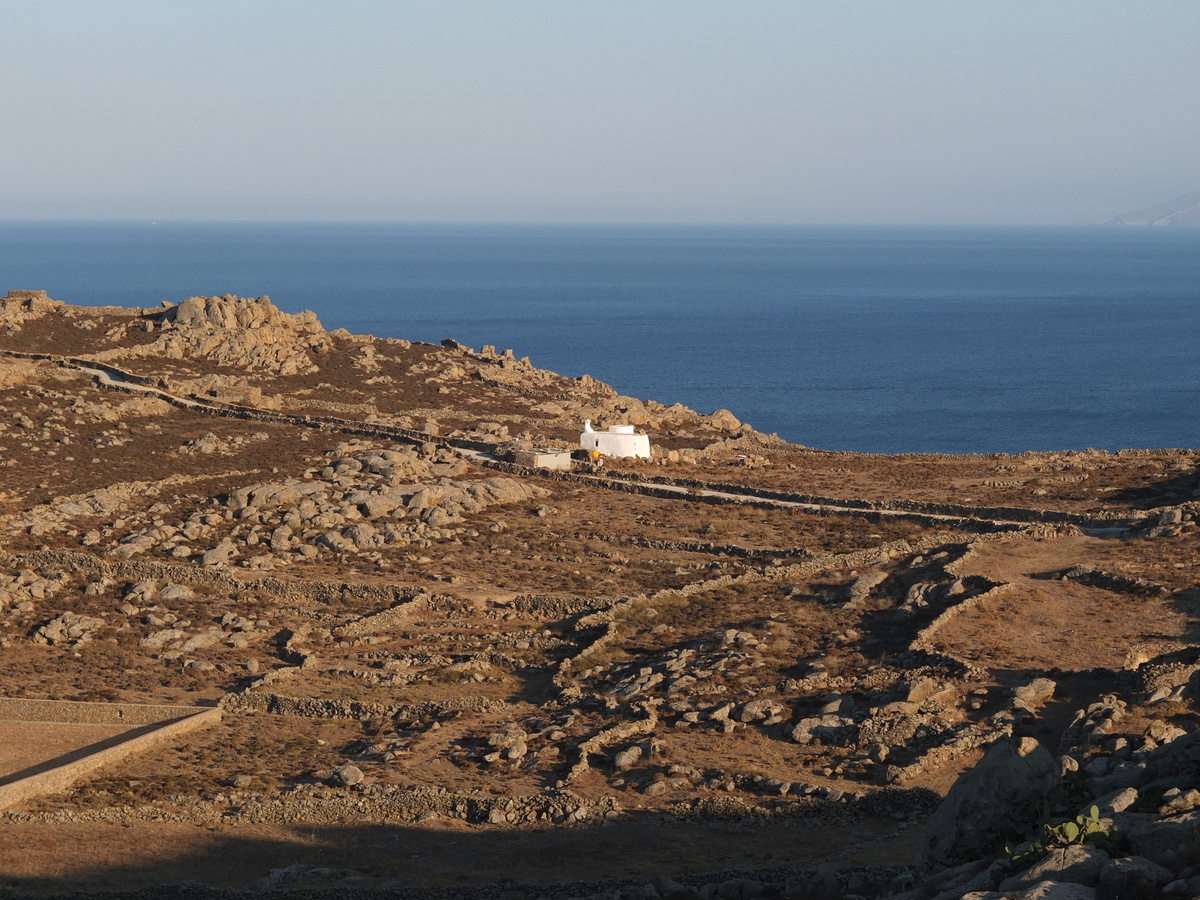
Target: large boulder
985	798
1134	878
176	593
220	554
1075	864
68	628
346	775
1034	695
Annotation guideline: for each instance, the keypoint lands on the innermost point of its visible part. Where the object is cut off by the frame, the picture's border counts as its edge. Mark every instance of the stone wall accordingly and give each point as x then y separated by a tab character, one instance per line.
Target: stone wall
1001	513
923	640
945	515
196	403
980	519
387	620
328	592
71	712
308	708
62	777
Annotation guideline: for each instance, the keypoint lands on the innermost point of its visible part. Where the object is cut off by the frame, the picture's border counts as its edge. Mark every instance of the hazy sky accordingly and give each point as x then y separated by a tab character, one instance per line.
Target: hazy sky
842	111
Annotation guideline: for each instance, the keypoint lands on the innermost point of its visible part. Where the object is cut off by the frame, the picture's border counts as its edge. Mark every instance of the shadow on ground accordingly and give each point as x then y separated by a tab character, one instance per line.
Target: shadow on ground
143	855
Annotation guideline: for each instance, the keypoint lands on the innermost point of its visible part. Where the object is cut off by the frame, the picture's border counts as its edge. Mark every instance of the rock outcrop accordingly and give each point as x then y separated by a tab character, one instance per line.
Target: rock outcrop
238	332
1009	774
244	333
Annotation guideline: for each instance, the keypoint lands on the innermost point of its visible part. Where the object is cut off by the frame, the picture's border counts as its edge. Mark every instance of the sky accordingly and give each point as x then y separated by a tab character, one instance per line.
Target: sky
672	111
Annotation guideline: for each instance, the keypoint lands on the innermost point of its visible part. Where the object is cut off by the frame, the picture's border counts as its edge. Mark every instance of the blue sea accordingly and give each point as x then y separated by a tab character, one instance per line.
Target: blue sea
876	339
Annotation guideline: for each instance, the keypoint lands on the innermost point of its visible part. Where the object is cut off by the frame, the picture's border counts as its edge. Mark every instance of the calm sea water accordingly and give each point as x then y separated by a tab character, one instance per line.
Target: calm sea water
872	339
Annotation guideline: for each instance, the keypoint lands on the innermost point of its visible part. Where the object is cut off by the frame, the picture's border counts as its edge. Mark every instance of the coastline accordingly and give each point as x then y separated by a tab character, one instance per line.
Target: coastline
877	340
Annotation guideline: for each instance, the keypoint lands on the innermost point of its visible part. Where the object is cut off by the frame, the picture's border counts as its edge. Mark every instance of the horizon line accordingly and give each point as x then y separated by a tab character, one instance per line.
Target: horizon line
545	223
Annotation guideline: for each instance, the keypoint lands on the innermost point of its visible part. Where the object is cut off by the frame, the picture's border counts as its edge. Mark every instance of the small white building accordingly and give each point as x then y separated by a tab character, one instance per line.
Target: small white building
544	459
619	440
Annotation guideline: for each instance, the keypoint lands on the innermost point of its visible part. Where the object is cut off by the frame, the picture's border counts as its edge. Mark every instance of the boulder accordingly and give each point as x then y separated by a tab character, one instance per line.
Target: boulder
241	332
921	689
1077	864
364	536
758	710
142	592
335	541
219	554
68	628
1011	772
269	495
160	639
861	588
175	593
346	775
206	443
510	737
1032	696
377	505
1173	843
1133	878
724	420
281	539
203	640
626	758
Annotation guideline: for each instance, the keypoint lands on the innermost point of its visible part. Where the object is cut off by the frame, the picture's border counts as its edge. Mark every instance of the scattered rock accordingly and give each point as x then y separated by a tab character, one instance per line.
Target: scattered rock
346	775
68	628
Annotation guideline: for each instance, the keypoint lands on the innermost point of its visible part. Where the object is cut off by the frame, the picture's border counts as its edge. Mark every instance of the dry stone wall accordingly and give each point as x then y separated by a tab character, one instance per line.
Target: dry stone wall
62	777
998	513
328	592
72	712
387	620
280	704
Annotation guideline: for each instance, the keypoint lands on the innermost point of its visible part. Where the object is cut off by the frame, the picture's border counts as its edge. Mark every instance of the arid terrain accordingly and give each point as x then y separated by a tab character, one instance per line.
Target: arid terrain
740	668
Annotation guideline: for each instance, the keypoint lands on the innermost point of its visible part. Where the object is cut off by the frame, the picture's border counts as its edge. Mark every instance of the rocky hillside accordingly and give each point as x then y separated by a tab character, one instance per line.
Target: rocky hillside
741	668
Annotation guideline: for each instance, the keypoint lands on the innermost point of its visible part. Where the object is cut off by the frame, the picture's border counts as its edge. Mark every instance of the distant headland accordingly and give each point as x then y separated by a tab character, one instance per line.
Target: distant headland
1183	210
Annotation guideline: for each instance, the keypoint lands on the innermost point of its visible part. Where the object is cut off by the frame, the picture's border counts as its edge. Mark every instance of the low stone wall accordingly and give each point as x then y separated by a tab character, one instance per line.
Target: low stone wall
552	607
682	489
327	592
733	550
971	737
953	510
73	712
62	777
388	620
597	742
308	708
846	809
605	618
1117	583
923	640
206	405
